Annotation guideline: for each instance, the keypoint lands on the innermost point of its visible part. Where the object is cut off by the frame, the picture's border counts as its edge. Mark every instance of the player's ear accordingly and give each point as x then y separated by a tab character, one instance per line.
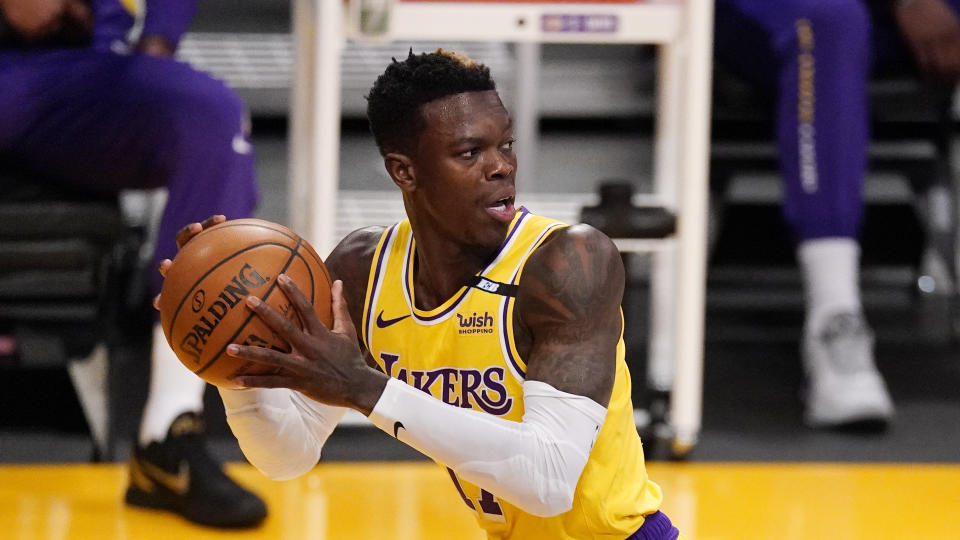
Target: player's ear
400	168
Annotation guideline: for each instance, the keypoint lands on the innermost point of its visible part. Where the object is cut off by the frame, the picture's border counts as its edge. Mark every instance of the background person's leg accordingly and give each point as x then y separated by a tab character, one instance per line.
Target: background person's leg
106	122
817	62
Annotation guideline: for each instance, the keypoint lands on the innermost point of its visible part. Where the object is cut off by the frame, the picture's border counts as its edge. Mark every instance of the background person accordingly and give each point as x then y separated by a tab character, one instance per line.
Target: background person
91	96
816	58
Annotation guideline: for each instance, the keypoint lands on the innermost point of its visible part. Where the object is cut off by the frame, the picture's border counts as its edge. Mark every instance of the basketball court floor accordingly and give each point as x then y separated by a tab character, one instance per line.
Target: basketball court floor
416	501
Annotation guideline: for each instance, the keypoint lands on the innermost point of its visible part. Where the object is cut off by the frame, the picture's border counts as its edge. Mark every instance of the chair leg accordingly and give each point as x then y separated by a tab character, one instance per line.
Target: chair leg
940	268
952	186
937	274
89	376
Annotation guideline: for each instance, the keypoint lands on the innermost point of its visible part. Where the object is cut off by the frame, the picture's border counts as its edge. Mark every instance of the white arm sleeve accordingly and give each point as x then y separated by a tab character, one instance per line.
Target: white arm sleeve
280	431
534	464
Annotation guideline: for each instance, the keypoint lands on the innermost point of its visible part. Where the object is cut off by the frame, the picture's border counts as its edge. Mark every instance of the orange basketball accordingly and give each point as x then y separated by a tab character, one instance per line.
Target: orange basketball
202	306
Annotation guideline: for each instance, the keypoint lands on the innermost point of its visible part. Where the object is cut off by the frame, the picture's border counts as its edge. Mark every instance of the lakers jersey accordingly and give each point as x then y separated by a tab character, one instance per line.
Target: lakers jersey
463	353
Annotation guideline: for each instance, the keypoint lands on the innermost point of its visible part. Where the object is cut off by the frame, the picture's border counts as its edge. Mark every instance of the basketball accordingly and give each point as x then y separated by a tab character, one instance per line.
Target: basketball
202	306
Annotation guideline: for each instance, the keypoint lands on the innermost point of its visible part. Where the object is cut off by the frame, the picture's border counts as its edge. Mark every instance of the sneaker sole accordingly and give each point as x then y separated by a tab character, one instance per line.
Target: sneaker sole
866	421
850	414
141	499
866	399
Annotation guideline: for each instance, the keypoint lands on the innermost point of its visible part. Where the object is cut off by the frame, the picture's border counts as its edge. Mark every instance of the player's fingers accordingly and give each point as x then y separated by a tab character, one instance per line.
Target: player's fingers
156	302
193	229
164	266
342	323
276	321
215	219
264	356
312	323
185	234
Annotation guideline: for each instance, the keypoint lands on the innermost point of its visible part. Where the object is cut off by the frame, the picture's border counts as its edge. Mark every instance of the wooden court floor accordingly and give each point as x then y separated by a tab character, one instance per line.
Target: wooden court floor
416	501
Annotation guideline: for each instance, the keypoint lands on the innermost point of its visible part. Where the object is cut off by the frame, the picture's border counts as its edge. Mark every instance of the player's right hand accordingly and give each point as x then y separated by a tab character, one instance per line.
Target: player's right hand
326	365
184	235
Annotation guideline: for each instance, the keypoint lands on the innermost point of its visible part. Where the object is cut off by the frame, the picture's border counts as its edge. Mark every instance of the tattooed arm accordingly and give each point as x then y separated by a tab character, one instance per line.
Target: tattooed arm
569	316
569	312
567	327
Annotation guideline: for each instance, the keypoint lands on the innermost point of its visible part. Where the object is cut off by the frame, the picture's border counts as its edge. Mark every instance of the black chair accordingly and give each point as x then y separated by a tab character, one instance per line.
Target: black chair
70	279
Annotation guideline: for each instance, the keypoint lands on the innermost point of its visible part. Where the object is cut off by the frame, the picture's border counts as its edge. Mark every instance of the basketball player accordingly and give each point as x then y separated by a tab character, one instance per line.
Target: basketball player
815	57
490	338
87	101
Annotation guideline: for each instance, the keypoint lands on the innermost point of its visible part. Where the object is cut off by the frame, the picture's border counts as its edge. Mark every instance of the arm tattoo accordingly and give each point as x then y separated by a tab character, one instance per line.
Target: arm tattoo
569	303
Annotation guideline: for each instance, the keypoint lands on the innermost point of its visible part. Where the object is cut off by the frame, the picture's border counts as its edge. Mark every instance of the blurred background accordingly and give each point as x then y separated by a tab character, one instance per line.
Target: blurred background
75	319
596	120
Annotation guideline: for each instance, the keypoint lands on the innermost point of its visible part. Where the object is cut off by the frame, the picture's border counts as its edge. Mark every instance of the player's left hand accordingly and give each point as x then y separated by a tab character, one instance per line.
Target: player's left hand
184	235
326	365
932	30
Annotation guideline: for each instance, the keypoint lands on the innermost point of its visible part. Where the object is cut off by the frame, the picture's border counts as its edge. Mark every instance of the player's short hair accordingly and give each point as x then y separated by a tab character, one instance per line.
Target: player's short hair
397	96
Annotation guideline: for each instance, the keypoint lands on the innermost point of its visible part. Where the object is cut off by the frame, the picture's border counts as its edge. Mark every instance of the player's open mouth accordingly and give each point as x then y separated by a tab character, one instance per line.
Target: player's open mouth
502	209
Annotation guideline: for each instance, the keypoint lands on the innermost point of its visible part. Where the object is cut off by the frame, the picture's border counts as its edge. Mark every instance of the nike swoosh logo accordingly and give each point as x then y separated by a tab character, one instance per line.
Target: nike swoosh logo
389	322
178	482
397	426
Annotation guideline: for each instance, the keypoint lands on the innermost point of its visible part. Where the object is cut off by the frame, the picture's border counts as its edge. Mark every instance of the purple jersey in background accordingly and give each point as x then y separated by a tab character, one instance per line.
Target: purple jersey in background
815	57
104	118
117	21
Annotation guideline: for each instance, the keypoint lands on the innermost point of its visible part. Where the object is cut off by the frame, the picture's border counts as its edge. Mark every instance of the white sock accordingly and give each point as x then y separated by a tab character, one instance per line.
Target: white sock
831	277
174	389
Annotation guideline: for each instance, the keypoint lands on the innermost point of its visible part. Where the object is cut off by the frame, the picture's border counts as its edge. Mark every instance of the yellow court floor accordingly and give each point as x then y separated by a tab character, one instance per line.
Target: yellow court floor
416	501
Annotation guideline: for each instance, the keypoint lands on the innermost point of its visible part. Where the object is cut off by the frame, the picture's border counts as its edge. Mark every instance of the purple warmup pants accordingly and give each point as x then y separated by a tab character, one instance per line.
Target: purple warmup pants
815	57
101	121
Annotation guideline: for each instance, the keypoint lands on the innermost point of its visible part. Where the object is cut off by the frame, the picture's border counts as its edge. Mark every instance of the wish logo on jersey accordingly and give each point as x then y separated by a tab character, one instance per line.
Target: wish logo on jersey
467	388
476	323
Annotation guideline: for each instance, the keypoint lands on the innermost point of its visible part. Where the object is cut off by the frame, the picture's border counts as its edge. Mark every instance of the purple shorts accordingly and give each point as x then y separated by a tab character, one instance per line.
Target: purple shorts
657	526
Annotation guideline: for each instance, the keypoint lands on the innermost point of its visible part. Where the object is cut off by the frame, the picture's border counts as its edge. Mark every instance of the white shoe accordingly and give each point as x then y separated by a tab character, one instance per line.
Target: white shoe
843	384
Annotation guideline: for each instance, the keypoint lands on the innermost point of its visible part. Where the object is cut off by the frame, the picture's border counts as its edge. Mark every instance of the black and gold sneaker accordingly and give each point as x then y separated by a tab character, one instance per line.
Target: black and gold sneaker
179	475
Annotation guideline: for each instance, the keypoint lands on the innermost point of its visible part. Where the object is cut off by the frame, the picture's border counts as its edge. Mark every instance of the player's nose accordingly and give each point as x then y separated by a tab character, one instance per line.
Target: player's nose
502	165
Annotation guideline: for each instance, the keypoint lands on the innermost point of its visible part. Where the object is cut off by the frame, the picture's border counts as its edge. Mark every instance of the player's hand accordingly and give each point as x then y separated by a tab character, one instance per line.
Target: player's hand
325	365
37	20
932	30
184	235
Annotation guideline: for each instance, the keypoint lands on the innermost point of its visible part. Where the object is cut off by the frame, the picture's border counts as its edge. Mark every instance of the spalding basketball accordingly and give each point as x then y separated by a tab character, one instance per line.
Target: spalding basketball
202	306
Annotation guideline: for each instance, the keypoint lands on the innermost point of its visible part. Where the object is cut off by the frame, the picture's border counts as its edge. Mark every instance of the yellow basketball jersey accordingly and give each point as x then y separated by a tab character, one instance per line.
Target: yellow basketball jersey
463	353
